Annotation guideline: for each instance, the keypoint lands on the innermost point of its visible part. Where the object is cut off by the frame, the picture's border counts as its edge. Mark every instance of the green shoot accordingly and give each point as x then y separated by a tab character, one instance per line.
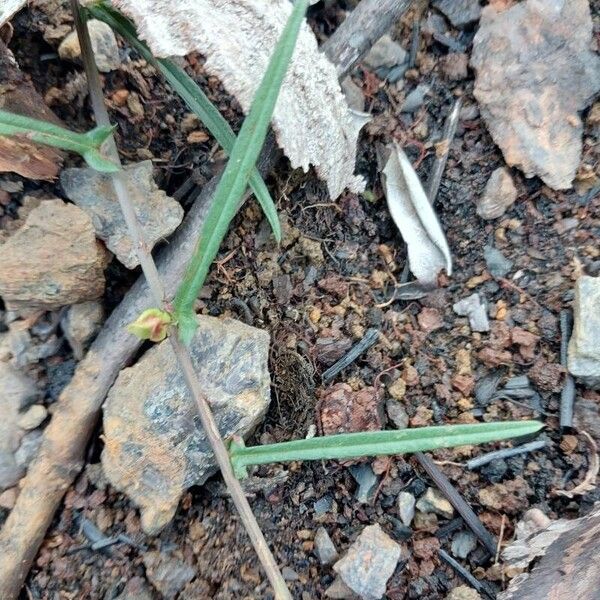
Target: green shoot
235	176
376	443
86	144
194	97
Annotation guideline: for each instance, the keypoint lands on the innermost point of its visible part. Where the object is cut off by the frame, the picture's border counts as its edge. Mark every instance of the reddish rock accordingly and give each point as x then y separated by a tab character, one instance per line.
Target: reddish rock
546	376
426	548
331	346
493	358
464	384
344	411
410	375
430	319
509	497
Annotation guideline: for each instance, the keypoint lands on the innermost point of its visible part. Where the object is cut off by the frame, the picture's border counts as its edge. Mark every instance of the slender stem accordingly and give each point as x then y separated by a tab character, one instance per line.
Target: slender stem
181	352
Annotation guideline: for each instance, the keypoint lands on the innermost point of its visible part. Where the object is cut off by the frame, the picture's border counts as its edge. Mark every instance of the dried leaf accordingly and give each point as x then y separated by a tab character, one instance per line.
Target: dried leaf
312	121
428	251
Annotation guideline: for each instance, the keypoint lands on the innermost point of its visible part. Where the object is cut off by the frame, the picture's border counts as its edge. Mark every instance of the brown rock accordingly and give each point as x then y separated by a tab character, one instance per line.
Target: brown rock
546	376
331	346
426	548
535	72
464	384
493	358
52	260
344	411
509	497
500	192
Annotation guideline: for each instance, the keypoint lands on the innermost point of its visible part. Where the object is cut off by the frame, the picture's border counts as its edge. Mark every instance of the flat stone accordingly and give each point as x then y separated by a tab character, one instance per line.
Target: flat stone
159	215
475	310
324	547
16	389
463	543
385	53
406	507
584	346
167	574
338	590
369	563
52	260
367	482
155	447
104	45
497	264
354	95
80	324
434	502
33	418
500	193
535	72
415	99
396	413
459	12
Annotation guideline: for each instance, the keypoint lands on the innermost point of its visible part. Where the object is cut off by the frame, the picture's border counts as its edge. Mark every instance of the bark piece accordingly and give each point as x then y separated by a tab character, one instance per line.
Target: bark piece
310	102
535	72
155	449
52	260
158	214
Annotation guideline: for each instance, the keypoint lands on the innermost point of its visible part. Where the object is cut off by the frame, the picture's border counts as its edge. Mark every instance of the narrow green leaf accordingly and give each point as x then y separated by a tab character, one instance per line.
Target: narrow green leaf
377	443
196	100
235	176
86	144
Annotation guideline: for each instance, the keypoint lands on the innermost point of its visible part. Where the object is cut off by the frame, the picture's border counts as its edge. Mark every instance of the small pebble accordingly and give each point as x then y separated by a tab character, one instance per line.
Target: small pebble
367	482
415	99
8	498
406	507
324	547
434	502
463	543
33	418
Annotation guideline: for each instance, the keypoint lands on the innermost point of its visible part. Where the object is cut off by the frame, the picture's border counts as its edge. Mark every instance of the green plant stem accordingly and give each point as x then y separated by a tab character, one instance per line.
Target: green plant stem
377	443
181	352
194	97
85	144
235	176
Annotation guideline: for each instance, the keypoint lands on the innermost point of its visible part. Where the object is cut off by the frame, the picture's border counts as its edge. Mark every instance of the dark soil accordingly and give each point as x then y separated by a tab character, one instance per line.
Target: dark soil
331	280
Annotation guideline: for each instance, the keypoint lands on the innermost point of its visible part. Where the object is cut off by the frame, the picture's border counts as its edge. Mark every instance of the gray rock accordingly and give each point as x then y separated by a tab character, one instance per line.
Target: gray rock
24	348
52	260
155	447
324	547
535	72
500	192
497	264
10	471
10	432
167	574
92	191
30	444
415	99
459	12
463	543
475	310
397	413
33	418
584	346
338	590
289	574
354	95
434	502
385	53
367	482
406	507
104	45
80	324
16	389
369	563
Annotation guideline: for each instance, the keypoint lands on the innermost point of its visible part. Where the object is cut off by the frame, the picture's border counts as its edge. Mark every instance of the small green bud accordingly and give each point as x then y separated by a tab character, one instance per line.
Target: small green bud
152	325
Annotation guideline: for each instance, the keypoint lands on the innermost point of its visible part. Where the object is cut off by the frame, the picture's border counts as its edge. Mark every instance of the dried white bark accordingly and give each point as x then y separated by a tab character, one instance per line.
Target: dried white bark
8	8
312	121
